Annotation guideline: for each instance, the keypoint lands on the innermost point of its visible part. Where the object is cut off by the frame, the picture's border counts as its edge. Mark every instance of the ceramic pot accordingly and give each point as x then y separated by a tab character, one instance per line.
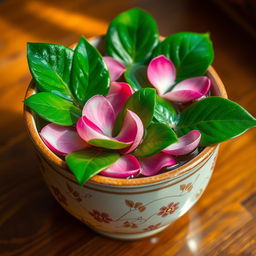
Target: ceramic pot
126	208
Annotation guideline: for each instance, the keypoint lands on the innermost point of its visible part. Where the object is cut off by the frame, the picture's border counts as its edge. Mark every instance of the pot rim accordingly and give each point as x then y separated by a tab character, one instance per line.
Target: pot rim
48	154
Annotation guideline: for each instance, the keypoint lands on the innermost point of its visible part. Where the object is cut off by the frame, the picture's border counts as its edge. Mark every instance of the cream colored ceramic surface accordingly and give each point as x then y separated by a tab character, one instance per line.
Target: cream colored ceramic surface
131	212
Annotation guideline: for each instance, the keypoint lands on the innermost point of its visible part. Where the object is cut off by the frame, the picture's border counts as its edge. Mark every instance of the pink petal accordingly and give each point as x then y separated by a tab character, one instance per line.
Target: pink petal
132	131
118	95
116	68
99	111
96	125
62	139
126	166
153	164
94	136
89	131
189	89
185	145
161	73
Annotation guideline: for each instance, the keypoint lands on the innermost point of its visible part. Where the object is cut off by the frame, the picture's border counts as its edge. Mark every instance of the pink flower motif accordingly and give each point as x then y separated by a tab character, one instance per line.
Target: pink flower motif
61	198
152	227
100	216
169	209
162	75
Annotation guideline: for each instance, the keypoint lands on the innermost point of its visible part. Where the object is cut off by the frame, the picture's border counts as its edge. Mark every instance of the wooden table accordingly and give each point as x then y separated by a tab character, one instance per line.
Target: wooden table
32	223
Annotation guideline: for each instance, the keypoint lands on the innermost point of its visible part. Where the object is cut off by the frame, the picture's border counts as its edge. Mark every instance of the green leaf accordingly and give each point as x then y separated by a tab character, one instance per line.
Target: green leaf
132	36
109	144
87	163
136	76
158	137
50	66
191	53
165	112
142	103
53	108
217	119
89	75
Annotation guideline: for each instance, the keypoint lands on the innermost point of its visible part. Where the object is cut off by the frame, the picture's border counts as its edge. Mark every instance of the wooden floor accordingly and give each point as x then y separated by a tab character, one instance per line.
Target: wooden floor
31	223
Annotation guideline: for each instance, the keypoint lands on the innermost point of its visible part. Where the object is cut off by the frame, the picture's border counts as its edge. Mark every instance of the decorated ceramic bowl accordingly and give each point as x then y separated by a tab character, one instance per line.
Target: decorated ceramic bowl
126	208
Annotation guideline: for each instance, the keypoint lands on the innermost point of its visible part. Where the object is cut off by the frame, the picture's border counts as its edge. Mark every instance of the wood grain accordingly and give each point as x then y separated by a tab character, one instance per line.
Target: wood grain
31	223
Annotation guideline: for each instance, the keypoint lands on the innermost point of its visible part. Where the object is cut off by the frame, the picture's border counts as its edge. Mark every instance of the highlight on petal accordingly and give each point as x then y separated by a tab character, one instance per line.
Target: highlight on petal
185	145
189	89
118	95
116	68
62	139
153	164
94	136
96	125
99	111
125	166
161	73
88	130
132	131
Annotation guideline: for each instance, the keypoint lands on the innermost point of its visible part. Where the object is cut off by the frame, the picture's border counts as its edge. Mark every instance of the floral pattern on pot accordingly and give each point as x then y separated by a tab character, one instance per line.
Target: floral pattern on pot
153	227
128	224
74	193
186	187
139	206
60	197
135	210
100	216
169	209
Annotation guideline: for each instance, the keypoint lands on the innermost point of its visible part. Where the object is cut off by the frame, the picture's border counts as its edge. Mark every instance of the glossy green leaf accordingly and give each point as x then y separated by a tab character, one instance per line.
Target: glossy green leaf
158	137
50	66
89	75
217	119
136	76
132	36
191	53
53	108
165	112
109	144
142	103
89	162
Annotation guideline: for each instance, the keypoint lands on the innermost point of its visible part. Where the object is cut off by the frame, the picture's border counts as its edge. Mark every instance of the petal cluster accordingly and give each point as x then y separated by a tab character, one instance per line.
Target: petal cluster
97	124
95	127
186	144
162	75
